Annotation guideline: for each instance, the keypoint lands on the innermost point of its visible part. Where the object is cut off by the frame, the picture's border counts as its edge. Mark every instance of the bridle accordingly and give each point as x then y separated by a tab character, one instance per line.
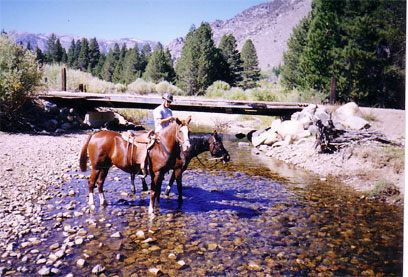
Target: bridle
214	145
181	141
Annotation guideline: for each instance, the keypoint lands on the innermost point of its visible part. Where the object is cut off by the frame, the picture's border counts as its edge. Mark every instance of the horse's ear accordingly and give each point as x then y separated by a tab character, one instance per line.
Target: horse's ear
177	120
215	134
188	119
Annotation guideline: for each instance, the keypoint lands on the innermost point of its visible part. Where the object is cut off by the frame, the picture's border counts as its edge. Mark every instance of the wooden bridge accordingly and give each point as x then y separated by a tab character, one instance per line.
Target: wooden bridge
92	100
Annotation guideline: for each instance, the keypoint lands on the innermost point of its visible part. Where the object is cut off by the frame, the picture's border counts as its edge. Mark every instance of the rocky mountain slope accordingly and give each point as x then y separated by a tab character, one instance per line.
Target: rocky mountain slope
268	25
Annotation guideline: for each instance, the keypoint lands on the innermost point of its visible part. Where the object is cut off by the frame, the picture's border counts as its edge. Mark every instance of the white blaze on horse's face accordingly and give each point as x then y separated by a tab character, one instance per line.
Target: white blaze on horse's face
186	141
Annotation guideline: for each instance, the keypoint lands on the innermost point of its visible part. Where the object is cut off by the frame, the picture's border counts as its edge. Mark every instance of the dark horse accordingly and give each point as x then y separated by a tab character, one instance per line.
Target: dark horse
199	143
107	148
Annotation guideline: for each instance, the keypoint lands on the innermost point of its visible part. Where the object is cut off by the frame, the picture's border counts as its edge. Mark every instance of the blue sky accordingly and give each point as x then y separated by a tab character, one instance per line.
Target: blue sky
157	20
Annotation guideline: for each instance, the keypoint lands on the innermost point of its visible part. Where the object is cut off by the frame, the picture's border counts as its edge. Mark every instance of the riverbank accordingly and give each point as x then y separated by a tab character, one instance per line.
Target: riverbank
374	169
30	165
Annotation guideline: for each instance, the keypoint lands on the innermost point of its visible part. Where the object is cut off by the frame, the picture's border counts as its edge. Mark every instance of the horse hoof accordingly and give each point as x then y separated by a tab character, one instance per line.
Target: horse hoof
167	191
92	207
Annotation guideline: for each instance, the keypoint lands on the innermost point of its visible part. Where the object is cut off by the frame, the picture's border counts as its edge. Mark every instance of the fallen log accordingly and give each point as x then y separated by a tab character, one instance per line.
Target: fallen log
329	139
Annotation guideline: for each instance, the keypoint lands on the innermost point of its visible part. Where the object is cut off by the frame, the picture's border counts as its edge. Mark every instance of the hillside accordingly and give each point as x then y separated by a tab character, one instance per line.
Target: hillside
268	25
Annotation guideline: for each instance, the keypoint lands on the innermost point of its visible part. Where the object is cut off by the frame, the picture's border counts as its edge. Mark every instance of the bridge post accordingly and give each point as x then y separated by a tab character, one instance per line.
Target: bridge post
64	79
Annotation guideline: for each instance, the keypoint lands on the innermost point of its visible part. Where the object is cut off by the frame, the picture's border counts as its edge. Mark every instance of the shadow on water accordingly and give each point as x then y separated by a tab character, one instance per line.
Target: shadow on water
249	217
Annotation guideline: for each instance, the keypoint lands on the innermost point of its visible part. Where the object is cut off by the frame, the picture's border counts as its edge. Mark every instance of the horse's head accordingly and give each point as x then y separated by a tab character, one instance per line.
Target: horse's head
183	133
217	148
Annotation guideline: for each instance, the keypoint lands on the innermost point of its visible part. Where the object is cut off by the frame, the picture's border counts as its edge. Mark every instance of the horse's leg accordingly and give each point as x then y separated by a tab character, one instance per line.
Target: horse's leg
91	186
101	179
168	188
155	191
179	175
132	178
144	183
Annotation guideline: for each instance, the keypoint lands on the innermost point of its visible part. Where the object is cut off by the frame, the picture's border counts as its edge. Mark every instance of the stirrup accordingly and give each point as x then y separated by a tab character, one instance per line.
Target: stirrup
151	143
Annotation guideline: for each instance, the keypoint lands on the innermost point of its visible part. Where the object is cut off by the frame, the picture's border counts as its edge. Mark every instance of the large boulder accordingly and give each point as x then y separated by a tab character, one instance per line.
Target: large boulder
350	116
291	130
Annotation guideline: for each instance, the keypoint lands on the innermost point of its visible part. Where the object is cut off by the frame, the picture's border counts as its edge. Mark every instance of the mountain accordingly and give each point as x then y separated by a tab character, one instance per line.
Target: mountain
268	25
40	40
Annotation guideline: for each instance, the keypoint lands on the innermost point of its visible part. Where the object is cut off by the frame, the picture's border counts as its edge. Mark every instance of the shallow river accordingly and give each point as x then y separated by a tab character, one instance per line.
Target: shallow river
251	216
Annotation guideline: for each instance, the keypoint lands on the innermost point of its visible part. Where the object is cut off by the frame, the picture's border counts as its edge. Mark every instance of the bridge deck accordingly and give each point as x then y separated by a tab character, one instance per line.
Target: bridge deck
93	100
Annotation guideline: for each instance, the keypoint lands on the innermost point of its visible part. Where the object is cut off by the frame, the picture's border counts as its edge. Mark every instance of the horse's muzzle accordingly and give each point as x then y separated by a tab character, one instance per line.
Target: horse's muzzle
185	146
226	158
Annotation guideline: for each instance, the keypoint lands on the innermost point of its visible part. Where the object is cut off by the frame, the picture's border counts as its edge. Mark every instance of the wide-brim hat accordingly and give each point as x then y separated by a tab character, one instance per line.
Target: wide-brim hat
168	97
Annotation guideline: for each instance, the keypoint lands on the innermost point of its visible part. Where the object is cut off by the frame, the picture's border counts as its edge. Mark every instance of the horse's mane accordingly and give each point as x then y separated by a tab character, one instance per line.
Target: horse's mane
167	128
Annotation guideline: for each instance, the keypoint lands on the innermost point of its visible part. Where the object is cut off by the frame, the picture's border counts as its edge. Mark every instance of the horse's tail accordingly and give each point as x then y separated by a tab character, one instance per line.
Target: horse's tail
83	160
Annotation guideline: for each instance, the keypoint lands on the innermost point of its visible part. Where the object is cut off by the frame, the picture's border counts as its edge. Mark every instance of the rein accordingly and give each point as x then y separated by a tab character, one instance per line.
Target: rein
180	142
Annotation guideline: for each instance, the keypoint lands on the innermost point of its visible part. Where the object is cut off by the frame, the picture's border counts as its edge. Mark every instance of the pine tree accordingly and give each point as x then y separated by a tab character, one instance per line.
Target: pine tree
71	54
64	57
93	55
197	68
250	73
291	73
360	43
50	48
132	68
117	73
58	52
232	71
40	56
159	67
145	55
322	38
29	46
110	64
97	71
83	58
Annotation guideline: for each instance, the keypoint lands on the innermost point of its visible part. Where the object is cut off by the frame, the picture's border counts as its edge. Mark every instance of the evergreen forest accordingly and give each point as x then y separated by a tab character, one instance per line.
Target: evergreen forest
358	44
200	65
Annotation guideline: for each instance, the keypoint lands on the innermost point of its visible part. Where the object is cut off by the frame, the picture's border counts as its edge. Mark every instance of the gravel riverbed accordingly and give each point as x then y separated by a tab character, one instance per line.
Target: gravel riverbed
30	165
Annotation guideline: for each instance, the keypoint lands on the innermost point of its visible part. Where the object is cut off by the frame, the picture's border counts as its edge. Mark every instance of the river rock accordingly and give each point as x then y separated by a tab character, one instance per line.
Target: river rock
80	263
154	271
44	271
116	235
98	269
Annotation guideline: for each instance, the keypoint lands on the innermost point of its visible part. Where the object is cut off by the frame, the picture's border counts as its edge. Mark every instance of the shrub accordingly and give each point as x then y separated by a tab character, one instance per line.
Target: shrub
19	75
165	86
236	94
262	94
219	85
142	87
76	77
217	89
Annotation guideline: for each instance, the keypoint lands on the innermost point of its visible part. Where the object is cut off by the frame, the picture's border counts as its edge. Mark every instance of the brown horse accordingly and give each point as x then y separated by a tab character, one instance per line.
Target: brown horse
107	148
